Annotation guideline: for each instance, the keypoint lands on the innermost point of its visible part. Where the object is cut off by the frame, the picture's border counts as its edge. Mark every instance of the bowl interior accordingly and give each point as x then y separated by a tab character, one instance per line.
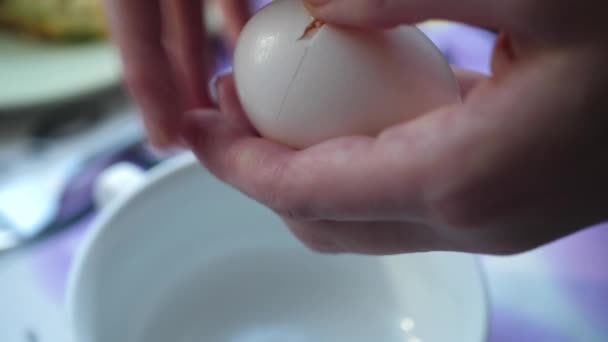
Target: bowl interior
189	259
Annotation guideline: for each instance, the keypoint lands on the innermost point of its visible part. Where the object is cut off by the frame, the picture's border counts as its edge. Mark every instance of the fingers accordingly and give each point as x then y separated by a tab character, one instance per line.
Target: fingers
387	13
372	238
391	178
236	13
137	28
227	145
349	178
234	155
185	40
164	80
460	166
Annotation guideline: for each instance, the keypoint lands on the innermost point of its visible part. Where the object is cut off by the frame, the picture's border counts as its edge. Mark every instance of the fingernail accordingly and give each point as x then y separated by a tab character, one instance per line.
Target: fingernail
163	153
215	82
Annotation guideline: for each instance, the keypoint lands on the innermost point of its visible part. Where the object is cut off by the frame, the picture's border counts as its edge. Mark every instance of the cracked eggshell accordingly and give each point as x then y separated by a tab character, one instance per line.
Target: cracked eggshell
336	81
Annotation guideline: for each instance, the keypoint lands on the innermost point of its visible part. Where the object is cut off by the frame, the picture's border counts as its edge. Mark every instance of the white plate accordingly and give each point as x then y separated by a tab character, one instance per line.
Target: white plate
186	258
35	73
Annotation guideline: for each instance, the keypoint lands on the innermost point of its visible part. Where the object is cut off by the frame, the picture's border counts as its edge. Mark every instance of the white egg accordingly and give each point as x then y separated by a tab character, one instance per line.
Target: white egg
301	90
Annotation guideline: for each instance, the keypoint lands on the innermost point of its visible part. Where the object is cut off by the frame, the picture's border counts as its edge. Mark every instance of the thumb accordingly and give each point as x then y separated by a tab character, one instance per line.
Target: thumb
388	13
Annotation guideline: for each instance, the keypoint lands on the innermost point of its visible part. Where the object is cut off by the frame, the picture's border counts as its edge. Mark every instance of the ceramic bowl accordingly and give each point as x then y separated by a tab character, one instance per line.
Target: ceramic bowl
185	258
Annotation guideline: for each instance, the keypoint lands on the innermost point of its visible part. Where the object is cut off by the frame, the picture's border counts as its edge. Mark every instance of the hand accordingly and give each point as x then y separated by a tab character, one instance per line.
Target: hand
166	59
520	163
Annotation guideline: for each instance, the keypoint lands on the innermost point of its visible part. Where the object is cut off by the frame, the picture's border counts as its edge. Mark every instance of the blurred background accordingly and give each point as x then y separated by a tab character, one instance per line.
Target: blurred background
67	126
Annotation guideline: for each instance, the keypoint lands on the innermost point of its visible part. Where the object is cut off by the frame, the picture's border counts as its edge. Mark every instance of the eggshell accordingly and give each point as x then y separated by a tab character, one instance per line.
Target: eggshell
335	81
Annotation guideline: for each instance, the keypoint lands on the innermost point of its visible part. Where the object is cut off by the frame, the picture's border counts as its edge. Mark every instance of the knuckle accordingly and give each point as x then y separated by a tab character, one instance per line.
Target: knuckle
284	199
273	188
234	163
290	206
271	184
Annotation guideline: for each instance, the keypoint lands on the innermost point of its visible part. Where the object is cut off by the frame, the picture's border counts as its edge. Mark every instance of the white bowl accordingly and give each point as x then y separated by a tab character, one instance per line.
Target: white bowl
185	258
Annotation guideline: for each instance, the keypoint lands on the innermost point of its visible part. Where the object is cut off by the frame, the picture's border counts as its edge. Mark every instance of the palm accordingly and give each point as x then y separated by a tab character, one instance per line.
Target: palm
486	176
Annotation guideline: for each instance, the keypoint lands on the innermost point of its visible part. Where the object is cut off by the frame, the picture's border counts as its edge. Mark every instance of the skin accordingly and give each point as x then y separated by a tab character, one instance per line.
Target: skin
521	162
163	47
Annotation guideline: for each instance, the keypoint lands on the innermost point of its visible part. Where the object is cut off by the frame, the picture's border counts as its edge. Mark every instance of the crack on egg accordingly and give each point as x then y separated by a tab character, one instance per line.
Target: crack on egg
310	32
312	29
291	82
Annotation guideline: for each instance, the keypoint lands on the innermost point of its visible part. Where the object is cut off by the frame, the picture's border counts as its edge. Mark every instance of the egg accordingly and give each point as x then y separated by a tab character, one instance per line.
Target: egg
302	82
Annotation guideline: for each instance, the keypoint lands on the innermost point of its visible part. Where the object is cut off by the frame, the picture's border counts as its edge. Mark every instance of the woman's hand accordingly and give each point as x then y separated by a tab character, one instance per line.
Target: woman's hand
521	162
164	47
